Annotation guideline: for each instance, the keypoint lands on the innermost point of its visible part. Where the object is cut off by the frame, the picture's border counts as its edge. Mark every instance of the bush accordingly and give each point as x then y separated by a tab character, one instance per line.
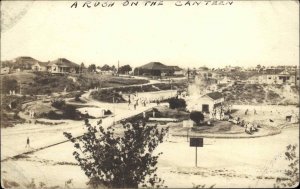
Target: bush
77	97
197	117
53	115
176	103
59	104
107	96
107	112
70	112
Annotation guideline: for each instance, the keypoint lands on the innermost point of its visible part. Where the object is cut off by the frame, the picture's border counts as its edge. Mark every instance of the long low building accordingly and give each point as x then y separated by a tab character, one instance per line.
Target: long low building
63	65
154	95
284	77
157	69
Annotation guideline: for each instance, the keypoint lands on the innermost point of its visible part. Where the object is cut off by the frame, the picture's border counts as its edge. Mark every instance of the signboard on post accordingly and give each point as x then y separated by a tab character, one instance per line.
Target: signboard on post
196	142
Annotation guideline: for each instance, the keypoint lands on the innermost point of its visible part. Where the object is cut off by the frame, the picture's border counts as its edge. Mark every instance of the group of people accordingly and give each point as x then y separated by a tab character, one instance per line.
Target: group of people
31	113
12	92
247	111
136	101
249	127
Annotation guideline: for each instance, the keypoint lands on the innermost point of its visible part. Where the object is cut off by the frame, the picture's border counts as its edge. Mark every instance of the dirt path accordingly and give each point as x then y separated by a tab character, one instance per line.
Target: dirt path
13	140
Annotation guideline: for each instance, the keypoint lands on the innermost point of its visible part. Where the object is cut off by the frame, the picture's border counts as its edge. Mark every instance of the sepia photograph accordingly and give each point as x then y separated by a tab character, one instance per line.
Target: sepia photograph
149	94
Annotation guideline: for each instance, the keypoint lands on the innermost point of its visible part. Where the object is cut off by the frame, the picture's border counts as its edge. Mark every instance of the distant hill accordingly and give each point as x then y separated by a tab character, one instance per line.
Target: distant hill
26	62
22	62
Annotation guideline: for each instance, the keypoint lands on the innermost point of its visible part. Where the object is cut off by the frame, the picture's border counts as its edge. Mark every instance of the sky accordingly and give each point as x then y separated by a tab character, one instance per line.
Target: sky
246	33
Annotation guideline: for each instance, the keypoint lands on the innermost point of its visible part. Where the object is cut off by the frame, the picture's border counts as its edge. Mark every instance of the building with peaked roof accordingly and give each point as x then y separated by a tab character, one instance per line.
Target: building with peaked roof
63	65
208	102
153	69
40	66
177	71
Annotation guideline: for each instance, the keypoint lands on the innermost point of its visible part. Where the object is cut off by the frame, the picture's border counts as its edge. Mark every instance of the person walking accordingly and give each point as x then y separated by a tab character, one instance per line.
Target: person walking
27	143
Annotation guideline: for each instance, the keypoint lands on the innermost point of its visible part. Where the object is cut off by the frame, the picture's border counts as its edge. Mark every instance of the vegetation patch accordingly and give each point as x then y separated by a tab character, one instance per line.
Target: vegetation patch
251	94
44	83
64	111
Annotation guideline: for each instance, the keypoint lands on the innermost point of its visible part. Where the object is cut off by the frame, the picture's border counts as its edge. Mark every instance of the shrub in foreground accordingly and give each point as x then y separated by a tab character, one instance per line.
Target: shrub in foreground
113	161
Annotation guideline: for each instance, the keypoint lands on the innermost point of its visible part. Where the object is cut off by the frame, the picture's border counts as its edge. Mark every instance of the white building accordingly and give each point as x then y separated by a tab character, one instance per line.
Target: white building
62	65
208	102
281	78
224	80
40	66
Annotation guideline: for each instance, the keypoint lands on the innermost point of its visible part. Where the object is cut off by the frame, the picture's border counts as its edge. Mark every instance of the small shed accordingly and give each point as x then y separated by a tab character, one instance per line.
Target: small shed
210	101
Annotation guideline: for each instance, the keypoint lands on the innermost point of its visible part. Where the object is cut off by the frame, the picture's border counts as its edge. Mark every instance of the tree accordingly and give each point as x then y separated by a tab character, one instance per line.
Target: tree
9	84
82	67
197	117
106	68
113	68
92	68
126	161
125	69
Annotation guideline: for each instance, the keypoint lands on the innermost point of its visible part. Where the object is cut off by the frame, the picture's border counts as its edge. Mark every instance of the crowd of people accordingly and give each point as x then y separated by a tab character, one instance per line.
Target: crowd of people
134	100
250	128
224	113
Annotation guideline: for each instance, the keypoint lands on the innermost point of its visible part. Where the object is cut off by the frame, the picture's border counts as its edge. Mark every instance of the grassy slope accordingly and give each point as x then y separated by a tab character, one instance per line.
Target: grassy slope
45	83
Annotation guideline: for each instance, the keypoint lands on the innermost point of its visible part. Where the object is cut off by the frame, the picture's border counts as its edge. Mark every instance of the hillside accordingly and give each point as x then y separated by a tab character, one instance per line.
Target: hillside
46	83
261	94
